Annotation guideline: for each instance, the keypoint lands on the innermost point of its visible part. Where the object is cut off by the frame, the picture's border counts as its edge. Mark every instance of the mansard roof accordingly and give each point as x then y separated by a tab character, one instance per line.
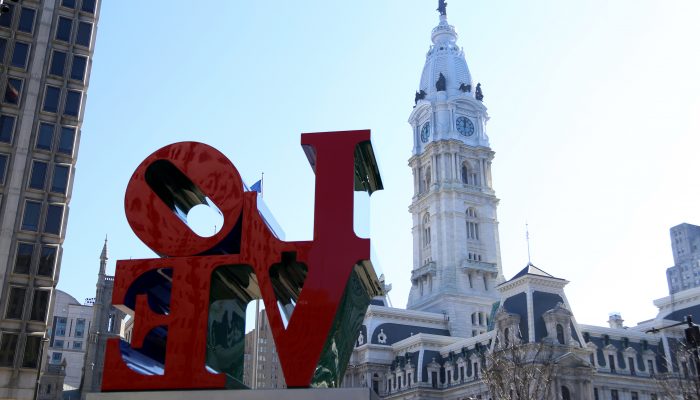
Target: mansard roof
530	269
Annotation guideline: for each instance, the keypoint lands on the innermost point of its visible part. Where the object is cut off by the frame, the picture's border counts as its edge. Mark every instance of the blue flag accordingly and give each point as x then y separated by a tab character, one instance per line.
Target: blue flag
257	186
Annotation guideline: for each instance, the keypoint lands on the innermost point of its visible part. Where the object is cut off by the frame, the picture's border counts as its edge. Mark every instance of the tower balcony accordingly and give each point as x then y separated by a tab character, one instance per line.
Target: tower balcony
480	266
419	273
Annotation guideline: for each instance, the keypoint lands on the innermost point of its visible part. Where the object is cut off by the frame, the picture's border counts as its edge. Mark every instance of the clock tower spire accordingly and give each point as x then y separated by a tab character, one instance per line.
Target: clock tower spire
456	251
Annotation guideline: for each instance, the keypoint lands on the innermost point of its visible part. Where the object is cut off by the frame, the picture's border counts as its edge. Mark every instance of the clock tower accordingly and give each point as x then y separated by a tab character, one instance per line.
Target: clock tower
456	252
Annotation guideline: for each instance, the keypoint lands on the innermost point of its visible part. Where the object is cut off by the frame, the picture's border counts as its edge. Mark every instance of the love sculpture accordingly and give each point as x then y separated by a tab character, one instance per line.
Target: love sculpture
189	305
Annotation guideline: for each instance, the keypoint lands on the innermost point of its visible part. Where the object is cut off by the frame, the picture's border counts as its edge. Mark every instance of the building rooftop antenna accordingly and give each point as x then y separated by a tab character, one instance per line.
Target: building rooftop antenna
527	239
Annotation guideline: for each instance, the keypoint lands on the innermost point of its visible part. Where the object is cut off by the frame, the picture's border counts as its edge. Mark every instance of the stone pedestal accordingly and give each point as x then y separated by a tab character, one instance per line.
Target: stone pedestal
278	394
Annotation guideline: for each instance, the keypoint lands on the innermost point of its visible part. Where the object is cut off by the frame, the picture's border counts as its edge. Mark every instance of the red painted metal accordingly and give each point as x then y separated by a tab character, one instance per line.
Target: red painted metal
329	257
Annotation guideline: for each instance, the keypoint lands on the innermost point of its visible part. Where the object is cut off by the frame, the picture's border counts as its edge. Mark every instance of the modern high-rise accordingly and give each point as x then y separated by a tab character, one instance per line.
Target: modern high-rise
685	244
46	49
261	358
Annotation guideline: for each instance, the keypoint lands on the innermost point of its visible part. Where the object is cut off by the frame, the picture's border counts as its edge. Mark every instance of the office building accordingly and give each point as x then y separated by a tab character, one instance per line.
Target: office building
46	49
685	274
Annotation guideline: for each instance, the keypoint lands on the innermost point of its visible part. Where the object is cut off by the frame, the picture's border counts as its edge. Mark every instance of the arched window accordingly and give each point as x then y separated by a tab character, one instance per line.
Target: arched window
426	229
506	339
465	174
565	395
560	334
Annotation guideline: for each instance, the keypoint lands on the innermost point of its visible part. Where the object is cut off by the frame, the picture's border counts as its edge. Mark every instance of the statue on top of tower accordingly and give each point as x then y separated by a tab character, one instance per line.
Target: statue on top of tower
420	96
442	7
440	84
479	94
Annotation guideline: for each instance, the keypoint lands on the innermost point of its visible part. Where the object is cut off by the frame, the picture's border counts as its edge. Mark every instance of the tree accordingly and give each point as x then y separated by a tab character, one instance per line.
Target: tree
519	371
685	383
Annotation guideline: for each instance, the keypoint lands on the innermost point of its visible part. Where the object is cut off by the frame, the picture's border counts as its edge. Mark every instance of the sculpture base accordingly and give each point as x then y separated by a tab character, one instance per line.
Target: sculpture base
261	394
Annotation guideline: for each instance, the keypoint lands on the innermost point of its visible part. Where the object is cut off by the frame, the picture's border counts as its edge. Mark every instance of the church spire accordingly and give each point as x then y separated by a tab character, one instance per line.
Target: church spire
103	258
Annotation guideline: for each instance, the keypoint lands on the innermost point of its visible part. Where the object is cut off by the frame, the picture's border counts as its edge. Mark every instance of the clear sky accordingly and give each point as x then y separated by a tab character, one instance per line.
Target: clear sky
594	120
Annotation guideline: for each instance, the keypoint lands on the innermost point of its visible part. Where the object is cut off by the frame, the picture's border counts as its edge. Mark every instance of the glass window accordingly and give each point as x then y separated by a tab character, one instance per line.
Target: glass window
37	180
65	142
44	139
58	63
40	305
63	29
13	90
23	260
84	33
60	326
77	345
8	346
68	3
72	106
3	46
58	344
7	125
6	18
26	20
59	183
51	99
88	6
56	357
80	327
3	167
30	220
20	55
47	260
31	352
16	303
54	217
77	70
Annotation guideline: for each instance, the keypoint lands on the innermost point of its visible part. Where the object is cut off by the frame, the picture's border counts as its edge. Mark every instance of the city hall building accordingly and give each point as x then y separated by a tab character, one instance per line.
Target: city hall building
461	307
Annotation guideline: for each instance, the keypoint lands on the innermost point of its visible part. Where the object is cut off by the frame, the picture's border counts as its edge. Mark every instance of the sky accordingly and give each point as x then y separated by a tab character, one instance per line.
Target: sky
594	112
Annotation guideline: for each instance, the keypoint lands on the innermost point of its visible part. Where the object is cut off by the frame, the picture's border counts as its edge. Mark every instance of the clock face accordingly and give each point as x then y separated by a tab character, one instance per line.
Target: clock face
465	126
425	132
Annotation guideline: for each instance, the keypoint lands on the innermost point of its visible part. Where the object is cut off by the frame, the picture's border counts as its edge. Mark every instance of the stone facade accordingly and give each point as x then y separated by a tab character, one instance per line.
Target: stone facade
108	322
456	256
46	60
461	310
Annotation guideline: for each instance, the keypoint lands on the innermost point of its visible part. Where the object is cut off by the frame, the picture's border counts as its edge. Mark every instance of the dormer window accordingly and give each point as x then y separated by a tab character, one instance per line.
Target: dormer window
560	334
